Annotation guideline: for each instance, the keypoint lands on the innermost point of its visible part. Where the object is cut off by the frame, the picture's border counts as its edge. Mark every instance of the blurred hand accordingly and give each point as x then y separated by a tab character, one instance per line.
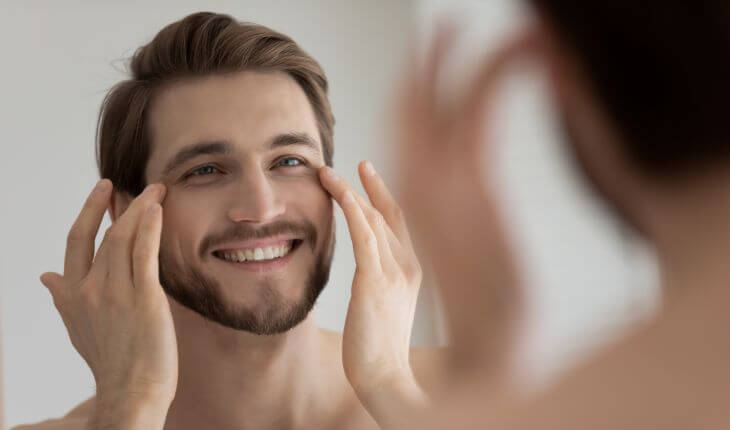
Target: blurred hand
444	153
115	310
377	333
449	197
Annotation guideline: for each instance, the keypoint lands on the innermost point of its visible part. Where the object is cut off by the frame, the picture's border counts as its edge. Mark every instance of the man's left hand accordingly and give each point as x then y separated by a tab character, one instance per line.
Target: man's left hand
377	333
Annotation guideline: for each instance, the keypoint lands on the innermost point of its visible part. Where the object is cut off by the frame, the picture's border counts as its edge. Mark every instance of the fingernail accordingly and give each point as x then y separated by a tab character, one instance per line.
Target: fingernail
369	169
102	186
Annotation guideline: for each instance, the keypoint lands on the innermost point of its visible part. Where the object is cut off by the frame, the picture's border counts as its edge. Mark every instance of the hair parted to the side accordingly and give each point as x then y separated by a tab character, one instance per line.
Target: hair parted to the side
200	44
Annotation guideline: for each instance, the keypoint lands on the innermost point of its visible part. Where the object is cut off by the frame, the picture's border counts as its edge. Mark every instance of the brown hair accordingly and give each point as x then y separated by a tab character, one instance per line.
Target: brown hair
660	70
200	44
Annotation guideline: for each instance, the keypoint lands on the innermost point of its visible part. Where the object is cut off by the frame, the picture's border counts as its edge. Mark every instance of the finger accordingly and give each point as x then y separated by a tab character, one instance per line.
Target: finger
52	281
394	246
384	202
147	250
482	91
120	239
364	240
335	185
377	223
386	239
443	41
80	240
417	101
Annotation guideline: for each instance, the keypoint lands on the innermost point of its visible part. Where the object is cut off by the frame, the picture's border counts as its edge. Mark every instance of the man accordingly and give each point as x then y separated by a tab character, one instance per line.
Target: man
642	89
216	156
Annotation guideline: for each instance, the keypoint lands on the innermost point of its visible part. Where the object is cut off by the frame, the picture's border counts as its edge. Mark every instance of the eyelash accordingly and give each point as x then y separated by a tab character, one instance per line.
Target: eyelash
193	172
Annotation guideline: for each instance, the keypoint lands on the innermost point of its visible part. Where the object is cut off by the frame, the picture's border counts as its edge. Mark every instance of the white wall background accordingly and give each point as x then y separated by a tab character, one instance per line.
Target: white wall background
58	60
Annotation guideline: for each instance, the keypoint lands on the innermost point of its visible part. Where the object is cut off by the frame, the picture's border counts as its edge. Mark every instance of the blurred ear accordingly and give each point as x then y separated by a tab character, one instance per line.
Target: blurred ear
119	203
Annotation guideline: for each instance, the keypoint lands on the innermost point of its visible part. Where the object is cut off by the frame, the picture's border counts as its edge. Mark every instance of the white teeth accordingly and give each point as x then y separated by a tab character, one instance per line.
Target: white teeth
257	254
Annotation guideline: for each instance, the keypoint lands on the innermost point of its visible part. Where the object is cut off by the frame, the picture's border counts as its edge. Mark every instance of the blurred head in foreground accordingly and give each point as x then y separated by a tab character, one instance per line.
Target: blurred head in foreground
642	89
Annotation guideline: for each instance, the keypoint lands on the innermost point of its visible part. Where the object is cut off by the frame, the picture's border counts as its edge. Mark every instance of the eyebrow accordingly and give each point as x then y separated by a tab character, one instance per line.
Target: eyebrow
225	148
288	139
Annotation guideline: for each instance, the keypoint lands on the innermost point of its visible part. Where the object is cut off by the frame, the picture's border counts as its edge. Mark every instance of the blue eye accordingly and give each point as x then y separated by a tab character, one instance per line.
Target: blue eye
206	170
290	162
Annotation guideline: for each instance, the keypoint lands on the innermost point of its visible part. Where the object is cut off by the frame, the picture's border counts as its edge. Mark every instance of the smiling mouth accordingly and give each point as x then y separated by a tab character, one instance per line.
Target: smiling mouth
258	255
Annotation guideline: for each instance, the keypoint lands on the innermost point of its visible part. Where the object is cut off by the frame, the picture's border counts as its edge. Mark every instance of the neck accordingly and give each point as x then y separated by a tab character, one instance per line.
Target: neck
234	379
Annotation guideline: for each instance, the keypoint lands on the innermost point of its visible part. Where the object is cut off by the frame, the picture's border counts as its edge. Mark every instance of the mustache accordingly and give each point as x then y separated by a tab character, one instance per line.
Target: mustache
305	230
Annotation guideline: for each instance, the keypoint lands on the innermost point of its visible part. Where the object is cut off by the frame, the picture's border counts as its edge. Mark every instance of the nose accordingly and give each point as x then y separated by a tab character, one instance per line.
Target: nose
256	199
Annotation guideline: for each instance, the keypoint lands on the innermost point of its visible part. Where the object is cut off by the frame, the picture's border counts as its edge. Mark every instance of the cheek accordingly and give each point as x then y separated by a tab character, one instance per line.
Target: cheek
309	200
184	223
322	208
307	193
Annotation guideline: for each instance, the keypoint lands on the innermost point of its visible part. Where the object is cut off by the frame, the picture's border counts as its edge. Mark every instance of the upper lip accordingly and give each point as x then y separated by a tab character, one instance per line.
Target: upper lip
256	243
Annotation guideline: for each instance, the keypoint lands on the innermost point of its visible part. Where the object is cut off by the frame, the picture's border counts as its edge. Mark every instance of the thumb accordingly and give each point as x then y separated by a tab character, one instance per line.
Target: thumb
52	281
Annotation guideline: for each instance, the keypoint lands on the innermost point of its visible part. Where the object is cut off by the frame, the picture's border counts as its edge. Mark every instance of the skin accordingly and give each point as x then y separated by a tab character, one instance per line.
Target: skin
670	373
183	365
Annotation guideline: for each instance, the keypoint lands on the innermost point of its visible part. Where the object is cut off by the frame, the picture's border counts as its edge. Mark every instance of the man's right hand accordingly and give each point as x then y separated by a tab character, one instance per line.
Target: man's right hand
113	305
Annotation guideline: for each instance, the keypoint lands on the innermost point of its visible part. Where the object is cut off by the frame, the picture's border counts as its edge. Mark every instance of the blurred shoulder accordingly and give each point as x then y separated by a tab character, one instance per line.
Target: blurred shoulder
76	419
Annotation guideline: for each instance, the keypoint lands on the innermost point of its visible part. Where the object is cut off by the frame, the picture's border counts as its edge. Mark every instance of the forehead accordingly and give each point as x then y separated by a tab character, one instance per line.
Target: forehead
245	108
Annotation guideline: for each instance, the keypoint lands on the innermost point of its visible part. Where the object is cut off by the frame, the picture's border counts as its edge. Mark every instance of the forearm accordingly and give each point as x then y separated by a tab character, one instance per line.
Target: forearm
128	413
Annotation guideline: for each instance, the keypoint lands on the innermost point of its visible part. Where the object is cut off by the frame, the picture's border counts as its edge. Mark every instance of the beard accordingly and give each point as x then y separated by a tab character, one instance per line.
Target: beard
274	314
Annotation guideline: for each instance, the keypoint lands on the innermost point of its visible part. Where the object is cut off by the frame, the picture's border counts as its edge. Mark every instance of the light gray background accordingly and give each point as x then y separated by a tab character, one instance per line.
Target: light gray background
586	279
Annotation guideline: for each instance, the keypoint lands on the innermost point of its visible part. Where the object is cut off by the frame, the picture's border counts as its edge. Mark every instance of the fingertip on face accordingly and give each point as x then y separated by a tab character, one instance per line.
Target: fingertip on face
157	191
332	181
328	178
327	172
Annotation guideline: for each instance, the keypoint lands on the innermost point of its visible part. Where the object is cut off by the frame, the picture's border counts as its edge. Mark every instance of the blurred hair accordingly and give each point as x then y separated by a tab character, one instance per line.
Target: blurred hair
198	45
661	70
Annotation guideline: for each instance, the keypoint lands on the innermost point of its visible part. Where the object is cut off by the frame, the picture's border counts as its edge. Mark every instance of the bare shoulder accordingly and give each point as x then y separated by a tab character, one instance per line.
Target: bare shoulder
76	419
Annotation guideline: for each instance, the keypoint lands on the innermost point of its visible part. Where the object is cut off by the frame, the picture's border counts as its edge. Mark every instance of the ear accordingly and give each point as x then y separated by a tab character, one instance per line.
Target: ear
119	203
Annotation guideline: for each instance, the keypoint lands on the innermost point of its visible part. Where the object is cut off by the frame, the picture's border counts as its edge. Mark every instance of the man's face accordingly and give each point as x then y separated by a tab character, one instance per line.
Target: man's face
239	154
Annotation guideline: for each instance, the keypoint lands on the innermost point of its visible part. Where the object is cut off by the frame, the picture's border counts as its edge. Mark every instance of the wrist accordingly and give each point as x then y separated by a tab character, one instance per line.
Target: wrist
129	410
401	384
394	401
